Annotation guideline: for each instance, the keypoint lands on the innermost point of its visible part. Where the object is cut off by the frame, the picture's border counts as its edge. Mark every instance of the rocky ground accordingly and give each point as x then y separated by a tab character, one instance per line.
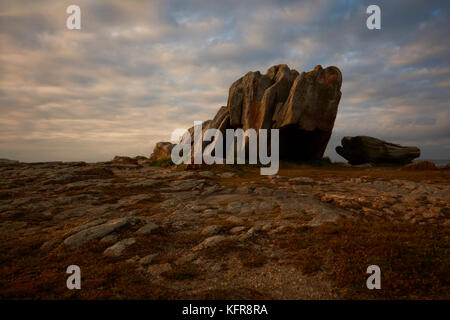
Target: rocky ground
140	231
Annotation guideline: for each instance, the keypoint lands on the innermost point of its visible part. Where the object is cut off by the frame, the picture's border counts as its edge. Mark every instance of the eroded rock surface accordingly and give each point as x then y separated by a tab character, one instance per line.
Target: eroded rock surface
158	220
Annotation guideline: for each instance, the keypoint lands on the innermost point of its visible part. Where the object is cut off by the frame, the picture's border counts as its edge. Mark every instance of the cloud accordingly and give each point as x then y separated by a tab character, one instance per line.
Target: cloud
138	70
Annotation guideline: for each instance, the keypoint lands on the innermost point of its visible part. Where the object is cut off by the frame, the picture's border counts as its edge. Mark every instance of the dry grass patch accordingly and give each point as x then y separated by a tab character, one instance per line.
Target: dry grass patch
182	272
414	260
26	274
223	248
252	259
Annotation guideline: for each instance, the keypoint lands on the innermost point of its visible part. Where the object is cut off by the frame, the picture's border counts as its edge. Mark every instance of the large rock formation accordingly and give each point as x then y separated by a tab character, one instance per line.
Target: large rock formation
363	149
302	106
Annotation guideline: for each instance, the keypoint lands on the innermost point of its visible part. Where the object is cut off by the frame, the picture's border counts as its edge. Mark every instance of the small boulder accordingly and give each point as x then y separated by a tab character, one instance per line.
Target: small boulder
237	229
162	150
148	228
96	232
118	248
210	230
210	242
124	160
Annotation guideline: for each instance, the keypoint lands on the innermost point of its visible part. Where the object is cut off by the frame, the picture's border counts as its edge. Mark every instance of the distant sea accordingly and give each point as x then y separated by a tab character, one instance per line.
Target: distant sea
436	162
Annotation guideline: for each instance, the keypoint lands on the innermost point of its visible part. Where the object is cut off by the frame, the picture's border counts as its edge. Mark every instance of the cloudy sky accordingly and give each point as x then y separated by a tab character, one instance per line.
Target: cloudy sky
137	70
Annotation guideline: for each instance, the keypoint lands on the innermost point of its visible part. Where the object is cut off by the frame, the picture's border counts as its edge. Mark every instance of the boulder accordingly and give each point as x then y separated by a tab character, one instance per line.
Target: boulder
307	117
162	150
252	99
148	228
124	160
96	232
210	242
364	149
118	248
302	106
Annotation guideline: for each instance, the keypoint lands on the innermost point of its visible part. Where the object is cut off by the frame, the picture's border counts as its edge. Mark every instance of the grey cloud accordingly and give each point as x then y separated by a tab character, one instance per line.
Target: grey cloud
139	69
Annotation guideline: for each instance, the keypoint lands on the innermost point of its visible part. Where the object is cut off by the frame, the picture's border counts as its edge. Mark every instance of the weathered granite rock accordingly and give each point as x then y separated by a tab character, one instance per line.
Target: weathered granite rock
95	232
162	150
210	242
253	98
364	149
118	248
148	228
307	117
302	106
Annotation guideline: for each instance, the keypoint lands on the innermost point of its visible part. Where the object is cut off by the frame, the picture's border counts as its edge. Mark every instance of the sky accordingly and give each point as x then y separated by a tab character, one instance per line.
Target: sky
137	70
